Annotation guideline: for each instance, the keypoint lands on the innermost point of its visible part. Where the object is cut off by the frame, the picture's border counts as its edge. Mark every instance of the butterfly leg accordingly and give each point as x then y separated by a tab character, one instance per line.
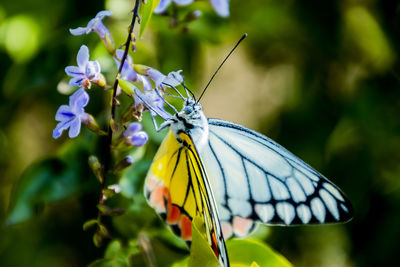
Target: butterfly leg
162	126
165	101
176	90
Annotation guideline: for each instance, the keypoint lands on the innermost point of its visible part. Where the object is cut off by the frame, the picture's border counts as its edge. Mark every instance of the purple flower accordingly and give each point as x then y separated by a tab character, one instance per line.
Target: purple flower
174	78
165	3
95	25
151	99
220	6
127	72
134	134
86	71
71	116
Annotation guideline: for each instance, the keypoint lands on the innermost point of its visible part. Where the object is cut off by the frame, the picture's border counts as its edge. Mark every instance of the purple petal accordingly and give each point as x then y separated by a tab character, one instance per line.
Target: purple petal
145	82
77	81
91	25
139	138
78	100
155	75
74	128
153	102
174	78
127	72
119	54
103	14
61	126
221	7
93	69
78	31
162	6
100	29
183	2
132	128
73	71
64	113
83	57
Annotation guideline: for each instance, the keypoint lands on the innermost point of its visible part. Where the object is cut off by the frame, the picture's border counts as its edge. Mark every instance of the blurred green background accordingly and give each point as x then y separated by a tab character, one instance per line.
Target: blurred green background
319	77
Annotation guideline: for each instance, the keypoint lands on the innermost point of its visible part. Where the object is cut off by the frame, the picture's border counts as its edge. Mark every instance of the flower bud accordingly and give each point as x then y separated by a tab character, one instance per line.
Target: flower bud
138	139
132	128
96	167
124	163
91	124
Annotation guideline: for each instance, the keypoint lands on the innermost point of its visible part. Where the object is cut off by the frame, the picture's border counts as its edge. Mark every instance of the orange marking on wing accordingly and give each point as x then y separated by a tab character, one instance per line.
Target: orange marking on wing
227	230
173	214
152	183
214	244
186	227
241	226
157	198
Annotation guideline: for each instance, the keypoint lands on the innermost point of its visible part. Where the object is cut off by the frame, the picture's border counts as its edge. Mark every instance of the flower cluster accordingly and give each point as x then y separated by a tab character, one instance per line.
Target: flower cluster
86	72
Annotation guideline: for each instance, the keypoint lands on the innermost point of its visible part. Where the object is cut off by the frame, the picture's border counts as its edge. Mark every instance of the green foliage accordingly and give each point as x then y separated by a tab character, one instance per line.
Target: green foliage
244	252
146	13
241	252
201	253
48	181
116	255
127	87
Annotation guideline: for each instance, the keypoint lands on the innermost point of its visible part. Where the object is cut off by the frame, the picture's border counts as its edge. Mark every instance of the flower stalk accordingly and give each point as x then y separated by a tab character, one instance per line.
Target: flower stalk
107	157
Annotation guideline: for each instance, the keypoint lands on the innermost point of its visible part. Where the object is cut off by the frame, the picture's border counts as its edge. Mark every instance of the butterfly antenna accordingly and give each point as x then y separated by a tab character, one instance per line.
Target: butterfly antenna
215	73
188	90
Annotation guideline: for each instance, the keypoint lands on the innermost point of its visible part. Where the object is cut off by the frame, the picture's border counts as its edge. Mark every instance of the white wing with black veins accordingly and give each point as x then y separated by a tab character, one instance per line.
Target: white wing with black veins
256	179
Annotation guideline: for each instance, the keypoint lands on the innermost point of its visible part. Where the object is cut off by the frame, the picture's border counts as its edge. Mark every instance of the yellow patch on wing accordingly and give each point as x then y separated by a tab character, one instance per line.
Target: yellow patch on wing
173	169
178	188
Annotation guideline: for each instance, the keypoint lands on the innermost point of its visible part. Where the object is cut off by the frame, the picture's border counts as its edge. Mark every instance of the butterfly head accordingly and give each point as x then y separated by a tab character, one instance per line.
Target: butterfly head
191	121
191	109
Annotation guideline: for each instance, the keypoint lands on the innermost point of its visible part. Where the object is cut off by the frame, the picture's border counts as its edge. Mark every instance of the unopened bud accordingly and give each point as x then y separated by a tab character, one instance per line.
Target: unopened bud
192	16
141	69
96	167
109	44
124	163
101	81
91	124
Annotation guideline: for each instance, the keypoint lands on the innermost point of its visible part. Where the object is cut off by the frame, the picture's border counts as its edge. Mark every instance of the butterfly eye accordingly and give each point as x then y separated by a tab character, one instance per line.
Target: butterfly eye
188	109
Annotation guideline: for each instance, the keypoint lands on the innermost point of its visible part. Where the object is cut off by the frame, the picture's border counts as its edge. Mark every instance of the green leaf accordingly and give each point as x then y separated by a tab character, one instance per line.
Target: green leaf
102	230
107	211
113	250
51	180
127	87
201	253
43	182
97	239
89	224
117	255
146	12
243	252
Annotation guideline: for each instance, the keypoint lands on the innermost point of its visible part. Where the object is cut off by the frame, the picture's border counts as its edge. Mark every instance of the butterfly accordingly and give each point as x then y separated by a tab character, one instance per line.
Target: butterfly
233	177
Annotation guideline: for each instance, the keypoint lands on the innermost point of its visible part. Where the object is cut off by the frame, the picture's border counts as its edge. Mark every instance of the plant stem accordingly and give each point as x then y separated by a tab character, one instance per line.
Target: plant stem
107	158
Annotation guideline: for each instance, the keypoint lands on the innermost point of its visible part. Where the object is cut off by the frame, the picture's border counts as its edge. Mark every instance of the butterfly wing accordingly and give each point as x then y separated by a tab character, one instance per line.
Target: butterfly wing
256	179
177	187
